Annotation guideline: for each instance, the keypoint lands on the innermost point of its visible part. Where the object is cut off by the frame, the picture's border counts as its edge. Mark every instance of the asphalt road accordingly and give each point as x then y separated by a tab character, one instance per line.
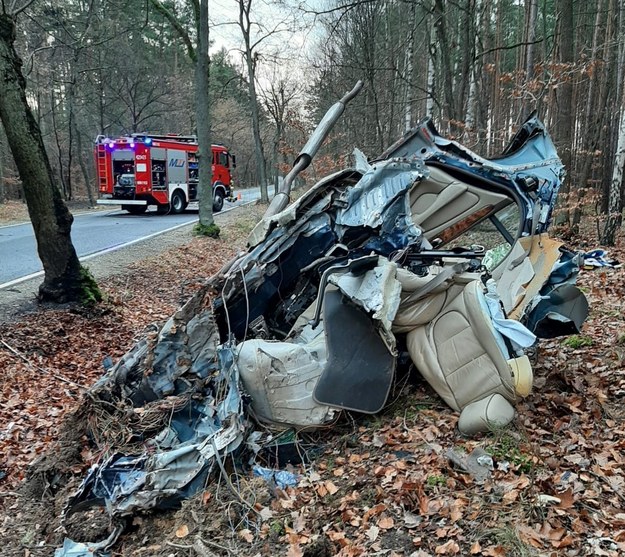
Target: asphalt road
93	233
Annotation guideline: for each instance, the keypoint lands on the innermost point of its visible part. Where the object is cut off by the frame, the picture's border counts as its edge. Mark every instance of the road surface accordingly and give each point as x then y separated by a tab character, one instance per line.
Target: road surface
93	233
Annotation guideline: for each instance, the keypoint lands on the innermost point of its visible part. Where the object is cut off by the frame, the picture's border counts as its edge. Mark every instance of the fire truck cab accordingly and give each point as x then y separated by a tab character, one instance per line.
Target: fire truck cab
139	170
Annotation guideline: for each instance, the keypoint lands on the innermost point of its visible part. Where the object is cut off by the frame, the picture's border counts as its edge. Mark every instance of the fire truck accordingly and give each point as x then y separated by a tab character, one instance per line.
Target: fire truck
138	170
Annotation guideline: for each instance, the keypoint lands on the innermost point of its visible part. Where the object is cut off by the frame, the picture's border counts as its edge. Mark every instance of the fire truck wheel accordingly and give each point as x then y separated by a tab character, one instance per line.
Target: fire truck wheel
135	209
218	201
178	202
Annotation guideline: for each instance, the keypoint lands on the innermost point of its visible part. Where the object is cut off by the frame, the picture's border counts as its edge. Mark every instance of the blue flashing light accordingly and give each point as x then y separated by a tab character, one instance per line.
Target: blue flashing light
132	144
148	141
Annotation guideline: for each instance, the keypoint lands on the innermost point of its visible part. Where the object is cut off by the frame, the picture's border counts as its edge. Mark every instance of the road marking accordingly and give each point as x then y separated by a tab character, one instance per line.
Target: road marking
14	224
17	281
74	215
21	279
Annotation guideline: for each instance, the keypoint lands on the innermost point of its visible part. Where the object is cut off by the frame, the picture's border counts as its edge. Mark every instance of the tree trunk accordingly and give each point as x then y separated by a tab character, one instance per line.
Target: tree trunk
431	71
408	92
564	122
59	149
446	66
202	100
2	186
245	25
83	168
593	123
471	109
616	186
50	217
615	193
531	8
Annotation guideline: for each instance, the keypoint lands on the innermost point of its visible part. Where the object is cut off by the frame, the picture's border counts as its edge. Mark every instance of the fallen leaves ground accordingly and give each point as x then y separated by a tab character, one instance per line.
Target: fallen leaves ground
379	485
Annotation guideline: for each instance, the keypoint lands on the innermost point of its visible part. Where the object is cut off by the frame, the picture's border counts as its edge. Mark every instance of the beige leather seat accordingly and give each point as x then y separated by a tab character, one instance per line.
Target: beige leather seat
459	352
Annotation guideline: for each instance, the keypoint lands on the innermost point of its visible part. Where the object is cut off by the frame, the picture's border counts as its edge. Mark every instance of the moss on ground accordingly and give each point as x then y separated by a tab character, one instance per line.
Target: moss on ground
210	230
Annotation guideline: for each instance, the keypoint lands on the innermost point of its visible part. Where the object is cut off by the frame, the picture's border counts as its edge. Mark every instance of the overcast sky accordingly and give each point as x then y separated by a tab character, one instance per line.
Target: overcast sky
290	42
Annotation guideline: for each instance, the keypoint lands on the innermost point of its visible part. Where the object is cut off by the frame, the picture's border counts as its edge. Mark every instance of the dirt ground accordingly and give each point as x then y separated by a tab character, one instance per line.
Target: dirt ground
371	485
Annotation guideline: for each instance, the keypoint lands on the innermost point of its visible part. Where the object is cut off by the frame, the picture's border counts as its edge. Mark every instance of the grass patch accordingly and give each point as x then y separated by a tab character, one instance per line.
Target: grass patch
508	539
435	480
506	448
577	341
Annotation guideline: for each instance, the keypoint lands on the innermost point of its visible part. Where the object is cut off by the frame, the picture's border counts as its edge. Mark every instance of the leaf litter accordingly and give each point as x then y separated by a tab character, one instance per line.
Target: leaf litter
382	485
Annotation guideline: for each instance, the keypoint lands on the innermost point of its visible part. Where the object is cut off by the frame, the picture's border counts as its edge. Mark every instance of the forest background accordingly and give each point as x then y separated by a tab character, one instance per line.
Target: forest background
477	67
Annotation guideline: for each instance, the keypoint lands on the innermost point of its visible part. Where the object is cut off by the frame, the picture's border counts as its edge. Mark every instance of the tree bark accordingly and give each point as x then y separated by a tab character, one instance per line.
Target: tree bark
245	25
2	186
431	70
531	8
408	92
199	56
202	100
615	193
564	122
616	186
446	65
50	217
83	168
594	121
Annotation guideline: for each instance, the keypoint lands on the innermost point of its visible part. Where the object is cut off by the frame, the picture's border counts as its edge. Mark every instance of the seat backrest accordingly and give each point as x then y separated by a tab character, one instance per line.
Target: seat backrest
458	352
440	201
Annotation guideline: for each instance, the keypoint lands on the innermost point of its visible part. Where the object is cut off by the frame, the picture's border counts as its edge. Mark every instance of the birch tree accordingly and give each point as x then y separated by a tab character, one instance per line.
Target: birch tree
615	207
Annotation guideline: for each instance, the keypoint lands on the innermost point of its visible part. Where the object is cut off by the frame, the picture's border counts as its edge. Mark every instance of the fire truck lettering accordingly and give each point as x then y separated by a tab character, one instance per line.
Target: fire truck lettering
141	157
142	182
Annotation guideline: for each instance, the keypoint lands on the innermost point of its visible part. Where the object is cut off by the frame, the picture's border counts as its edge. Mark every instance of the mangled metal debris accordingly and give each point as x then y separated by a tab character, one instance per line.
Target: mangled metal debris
429	248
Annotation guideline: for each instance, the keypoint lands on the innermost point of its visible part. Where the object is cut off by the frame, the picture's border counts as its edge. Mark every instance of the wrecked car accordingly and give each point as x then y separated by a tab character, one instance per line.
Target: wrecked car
427	251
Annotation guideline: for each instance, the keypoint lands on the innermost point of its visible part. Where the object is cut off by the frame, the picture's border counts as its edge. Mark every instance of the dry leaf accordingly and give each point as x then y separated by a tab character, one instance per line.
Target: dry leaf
331	487
567	500
246	535
494	551
510	496
411	520
266	513
386	523
448	548
373	512
182	532
294	551
372	533
206	497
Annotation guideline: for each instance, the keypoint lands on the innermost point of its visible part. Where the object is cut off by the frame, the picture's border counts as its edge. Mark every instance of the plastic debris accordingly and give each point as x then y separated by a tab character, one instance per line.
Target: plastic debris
281	478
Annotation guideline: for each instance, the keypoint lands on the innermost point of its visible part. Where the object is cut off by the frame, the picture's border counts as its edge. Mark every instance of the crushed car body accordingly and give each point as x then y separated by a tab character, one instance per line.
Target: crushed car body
429	251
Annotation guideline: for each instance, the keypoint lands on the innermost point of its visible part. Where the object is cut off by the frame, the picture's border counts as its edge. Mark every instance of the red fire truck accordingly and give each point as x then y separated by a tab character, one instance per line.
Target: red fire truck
138	170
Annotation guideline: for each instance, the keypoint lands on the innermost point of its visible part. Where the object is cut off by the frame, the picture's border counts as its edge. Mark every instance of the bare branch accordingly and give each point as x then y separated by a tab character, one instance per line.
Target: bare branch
182	32
16	11
512	46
